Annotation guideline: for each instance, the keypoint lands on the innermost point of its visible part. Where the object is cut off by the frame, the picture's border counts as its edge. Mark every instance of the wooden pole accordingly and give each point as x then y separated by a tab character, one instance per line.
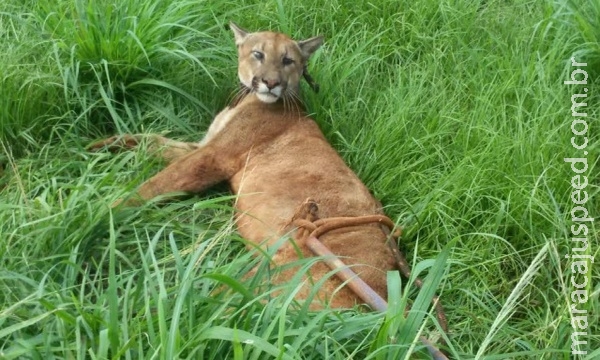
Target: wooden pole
361	288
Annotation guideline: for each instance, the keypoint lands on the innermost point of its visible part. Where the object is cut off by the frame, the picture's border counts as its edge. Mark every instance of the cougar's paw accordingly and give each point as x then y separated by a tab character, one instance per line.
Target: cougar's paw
115	143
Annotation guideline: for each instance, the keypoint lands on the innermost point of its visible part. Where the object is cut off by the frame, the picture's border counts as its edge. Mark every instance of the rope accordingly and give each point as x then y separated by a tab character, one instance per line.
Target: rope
317	227
321	226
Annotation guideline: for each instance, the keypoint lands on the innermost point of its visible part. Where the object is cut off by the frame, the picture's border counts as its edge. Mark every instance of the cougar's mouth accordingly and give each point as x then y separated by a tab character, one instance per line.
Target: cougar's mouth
267	97
267	93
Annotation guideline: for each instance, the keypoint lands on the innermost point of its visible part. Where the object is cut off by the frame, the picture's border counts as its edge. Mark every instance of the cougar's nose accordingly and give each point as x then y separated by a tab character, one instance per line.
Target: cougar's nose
271	83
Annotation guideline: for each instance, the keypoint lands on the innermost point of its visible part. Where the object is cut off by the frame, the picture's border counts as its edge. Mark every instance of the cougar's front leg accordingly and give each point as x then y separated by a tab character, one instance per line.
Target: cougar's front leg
165	148
190	173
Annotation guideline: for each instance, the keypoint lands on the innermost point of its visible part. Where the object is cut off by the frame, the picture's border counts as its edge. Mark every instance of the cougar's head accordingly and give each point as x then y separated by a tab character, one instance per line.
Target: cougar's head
271	64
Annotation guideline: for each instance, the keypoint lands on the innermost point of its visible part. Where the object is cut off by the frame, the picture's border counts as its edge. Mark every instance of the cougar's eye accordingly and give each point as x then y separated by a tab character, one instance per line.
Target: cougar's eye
258	55
287	61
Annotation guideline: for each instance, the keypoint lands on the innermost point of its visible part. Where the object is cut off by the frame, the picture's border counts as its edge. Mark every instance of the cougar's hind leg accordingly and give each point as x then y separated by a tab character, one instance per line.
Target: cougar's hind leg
167	149
117	143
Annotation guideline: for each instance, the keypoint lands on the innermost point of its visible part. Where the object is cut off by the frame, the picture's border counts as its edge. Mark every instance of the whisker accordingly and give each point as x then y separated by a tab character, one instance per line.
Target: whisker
293	100
287	102
239	94
297	101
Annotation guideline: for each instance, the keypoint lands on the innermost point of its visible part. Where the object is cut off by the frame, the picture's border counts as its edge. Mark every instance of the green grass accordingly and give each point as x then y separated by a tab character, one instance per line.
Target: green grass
454	113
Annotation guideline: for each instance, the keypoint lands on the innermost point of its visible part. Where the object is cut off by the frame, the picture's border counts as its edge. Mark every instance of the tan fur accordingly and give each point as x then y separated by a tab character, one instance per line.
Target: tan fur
275	158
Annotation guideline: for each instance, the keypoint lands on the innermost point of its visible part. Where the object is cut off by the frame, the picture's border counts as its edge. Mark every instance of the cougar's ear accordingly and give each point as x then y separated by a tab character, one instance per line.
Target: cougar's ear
309	46
239	33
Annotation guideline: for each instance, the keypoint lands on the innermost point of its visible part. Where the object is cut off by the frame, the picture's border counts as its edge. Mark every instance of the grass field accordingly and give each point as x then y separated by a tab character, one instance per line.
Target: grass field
454	113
